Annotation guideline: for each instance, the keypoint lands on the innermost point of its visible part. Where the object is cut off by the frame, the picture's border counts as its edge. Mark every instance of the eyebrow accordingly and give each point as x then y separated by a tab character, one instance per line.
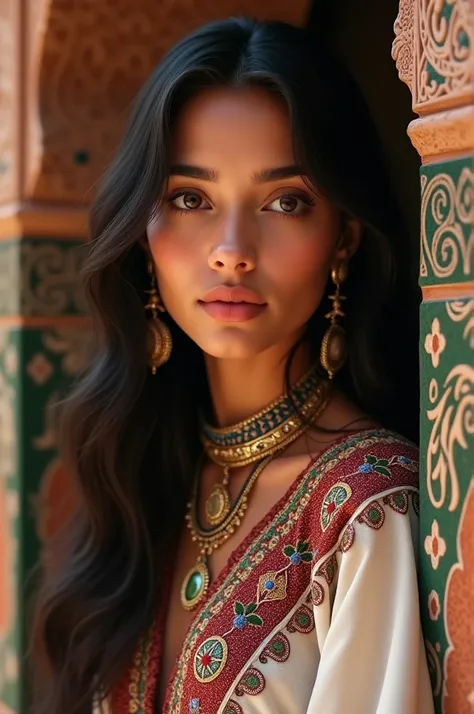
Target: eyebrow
264	176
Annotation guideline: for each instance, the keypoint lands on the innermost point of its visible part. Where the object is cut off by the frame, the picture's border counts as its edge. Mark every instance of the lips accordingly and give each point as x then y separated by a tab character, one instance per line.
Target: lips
232	303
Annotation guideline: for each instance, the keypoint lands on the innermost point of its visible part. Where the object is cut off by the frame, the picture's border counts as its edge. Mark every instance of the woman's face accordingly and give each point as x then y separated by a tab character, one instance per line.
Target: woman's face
242	247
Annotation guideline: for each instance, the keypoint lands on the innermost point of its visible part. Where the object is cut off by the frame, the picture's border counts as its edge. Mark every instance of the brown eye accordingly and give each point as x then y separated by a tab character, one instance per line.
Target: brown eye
192	200
289	204
188	201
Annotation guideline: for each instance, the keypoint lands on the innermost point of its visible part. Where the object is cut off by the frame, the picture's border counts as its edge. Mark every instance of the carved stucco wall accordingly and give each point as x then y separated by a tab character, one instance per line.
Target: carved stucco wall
434	54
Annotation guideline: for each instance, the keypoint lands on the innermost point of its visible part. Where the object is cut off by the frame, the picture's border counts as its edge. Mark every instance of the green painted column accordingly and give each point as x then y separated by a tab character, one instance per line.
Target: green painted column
434	53
447	430
44	344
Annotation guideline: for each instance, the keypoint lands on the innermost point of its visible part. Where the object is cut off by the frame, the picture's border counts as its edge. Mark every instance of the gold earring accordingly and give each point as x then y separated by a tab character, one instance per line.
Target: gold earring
159	336
334	346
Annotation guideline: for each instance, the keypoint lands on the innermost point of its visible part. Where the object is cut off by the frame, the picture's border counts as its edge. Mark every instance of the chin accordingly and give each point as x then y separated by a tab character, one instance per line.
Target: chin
232	343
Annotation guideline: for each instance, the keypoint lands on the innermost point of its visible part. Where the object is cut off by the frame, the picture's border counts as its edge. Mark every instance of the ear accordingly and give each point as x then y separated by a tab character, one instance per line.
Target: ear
349	241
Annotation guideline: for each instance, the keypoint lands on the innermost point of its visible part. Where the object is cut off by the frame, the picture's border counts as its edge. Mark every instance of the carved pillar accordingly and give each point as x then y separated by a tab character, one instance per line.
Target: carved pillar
68	71
434	53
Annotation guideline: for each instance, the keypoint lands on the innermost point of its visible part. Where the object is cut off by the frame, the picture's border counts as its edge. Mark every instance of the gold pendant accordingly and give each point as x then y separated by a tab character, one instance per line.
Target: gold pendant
195	584
218	504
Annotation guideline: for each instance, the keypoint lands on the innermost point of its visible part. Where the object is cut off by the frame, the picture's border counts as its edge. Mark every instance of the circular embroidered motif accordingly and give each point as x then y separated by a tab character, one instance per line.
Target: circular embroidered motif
317	593
210	659
333	500
302	621
277	649
398	501
252	683
373	516
232	707
328	569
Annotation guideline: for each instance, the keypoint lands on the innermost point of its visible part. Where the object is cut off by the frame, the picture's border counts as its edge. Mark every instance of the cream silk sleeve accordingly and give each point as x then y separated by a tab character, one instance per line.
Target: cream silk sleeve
368	624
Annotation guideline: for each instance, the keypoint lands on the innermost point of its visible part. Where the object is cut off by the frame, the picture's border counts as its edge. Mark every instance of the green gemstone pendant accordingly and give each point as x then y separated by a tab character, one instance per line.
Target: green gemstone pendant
195	585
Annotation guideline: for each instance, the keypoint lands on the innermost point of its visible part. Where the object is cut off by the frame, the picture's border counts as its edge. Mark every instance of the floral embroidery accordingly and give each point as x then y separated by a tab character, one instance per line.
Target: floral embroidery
333	500
398	501
435	342
210	659
302	621
435	545
317	593
194	706
277	649
252	682
372	463
272	586
244	615
299	554
373	516
232	707
347	538
434	606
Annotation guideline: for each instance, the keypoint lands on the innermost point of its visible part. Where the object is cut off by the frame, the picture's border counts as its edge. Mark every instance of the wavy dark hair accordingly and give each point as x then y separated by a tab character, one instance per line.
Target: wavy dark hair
131	440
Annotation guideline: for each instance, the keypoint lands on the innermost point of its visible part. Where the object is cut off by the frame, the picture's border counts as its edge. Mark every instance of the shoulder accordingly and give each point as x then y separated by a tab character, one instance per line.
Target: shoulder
353	473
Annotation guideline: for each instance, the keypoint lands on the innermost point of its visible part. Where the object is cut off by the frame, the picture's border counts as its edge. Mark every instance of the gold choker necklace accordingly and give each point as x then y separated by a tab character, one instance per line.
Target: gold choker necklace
274	428
253	441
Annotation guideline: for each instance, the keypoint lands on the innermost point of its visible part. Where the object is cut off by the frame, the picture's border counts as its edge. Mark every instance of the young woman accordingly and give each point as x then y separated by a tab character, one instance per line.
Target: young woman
244	541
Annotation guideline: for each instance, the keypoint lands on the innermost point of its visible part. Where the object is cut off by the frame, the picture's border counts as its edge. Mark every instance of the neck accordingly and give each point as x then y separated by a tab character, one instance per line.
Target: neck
241	388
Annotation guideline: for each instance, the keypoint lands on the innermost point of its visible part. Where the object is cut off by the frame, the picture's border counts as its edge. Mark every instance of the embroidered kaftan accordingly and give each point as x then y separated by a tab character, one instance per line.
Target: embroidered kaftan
317	610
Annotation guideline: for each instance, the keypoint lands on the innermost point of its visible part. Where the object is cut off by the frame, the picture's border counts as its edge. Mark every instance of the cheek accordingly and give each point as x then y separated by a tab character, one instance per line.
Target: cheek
173	257
301	264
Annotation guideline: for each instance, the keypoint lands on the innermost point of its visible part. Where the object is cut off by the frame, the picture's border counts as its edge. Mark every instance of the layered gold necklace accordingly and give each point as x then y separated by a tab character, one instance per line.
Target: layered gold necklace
253	441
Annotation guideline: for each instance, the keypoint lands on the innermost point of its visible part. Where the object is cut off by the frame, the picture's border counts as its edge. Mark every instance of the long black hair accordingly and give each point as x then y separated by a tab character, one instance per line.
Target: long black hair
130	439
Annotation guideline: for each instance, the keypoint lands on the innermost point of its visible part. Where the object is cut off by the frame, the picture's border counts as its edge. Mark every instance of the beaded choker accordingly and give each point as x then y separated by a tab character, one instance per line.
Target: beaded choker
280	423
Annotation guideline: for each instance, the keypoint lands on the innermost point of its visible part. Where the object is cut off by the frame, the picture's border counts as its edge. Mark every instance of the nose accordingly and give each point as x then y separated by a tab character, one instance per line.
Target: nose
233	250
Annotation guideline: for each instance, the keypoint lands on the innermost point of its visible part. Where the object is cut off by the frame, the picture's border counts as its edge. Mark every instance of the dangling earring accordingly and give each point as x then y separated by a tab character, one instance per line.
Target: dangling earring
159	336
334	347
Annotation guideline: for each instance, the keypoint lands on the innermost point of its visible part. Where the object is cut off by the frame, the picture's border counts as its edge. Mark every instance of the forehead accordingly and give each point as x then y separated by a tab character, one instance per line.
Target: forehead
234	128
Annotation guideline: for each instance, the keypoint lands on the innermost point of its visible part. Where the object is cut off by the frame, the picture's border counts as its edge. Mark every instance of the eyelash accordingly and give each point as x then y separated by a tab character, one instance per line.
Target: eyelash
181	211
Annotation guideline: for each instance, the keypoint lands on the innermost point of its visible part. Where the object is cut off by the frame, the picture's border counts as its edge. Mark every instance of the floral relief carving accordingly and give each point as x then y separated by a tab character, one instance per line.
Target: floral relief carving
403	44
450	244
444	51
